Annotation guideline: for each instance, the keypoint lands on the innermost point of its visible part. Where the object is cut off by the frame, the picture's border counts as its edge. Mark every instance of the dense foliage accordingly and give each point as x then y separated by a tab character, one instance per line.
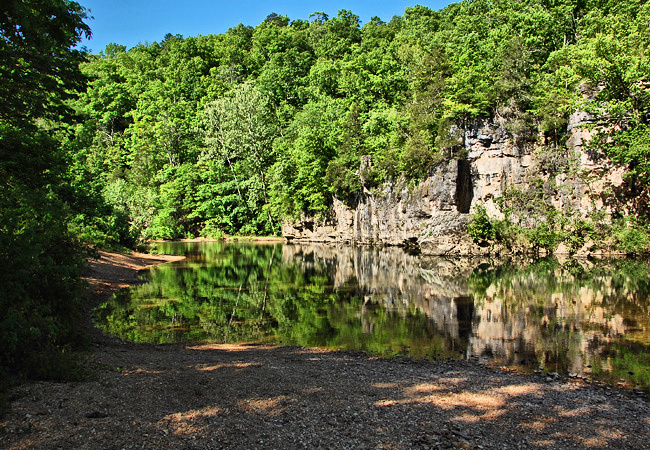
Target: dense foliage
230	133
41	262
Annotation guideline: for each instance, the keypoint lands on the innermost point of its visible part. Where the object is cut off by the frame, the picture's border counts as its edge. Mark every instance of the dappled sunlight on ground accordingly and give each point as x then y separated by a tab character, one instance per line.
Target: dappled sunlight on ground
468	418
427	388
385	385
239	348
255	396
601	435
580	411
468	400
189	423
268	406
140	371
515	390
226	366
313	390
540	424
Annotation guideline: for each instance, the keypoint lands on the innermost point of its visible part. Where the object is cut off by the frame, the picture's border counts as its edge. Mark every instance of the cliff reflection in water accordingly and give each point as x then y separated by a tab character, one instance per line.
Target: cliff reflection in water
568	316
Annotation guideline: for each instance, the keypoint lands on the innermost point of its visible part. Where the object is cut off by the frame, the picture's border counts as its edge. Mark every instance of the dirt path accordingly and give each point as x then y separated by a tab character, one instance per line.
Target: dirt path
247	396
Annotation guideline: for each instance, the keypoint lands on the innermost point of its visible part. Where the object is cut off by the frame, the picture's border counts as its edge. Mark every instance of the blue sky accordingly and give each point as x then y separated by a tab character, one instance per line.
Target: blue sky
129	22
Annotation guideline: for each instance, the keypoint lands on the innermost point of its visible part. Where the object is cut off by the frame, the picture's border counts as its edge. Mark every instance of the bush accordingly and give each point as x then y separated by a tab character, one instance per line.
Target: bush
632	240
480	227
543	236
40	309
211	229
108	232
578	233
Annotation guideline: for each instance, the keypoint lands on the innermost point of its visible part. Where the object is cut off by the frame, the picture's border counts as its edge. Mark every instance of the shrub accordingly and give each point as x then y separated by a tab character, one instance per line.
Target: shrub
211	229
480	226
633	240
543	236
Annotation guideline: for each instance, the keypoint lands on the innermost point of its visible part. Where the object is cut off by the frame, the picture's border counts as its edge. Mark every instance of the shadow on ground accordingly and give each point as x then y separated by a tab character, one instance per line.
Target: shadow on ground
219	396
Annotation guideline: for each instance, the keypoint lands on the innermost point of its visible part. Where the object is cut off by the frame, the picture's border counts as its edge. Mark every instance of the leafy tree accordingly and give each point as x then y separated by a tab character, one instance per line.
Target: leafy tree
40	308
309	145
514	86
38	58
332	38
239	130
480	227
611	60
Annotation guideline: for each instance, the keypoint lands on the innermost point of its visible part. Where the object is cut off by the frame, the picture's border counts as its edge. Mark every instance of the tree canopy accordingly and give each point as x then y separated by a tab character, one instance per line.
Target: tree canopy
164	126
39	306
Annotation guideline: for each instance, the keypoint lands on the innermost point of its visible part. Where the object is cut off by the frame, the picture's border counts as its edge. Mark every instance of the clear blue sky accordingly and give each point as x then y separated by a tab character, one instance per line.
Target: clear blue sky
129	22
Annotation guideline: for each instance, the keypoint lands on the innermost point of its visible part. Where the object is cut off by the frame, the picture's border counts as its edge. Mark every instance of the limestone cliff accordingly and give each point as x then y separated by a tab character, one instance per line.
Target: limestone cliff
433	215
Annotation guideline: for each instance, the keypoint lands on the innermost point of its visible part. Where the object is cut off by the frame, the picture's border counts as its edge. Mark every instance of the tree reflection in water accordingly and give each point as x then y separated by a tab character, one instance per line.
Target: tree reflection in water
583	317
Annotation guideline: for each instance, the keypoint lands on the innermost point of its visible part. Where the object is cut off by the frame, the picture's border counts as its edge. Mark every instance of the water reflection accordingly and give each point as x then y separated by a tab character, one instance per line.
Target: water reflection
581	317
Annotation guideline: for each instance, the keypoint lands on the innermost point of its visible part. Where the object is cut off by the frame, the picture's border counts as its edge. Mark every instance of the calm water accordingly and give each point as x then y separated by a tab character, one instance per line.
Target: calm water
587	318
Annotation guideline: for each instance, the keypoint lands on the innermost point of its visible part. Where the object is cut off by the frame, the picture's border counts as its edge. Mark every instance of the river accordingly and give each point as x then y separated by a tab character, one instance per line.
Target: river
580	318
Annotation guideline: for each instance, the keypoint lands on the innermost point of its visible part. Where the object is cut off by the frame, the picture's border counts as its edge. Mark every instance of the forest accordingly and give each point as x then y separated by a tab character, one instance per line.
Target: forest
230	134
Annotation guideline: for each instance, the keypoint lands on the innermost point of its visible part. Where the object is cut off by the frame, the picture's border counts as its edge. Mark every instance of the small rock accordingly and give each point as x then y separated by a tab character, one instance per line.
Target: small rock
462	435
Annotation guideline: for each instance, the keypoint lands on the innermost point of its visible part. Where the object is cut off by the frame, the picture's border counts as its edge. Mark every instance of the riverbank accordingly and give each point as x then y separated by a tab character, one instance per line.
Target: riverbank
110	272
253	396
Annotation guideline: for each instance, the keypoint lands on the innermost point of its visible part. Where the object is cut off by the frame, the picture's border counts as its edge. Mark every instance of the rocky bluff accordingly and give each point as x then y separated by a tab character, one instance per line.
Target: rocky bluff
433	215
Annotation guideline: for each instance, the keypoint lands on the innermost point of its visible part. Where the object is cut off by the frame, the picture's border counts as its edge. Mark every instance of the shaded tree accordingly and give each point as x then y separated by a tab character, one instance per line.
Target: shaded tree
39	307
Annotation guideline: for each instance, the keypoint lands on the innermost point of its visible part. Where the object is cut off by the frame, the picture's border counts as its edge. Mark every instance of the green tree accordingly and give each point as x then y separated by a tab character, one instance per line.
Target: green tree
308	146
40	308
239	129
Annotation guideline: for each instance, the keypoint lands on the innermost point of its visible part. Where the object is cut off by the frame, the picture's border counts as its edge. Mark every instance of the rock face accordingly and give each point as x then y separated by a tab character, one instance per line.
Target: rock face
433	215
